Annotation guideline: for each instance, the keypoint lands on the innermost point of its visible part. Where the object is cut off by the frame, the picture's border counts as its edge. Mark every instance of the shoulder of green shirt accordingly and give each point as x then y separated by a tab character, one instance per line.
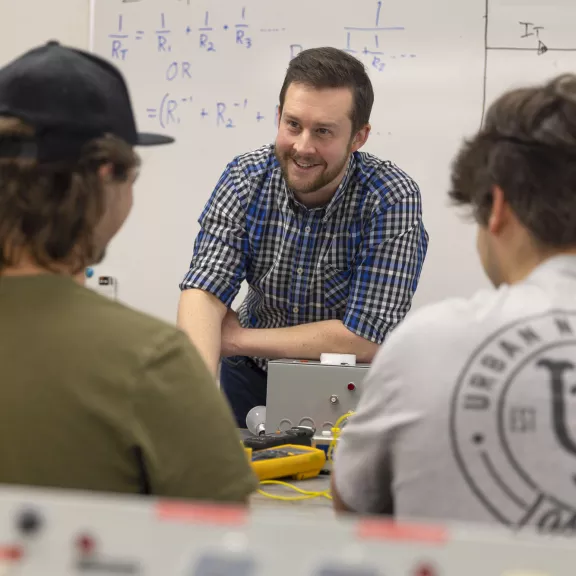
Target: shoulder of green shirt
169	366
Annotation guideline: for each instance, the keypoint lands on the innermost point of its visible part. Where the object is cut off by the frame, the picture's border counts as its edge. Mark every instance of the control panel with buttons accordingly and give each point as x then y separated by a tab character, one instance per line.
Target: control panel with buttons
308	392
59	533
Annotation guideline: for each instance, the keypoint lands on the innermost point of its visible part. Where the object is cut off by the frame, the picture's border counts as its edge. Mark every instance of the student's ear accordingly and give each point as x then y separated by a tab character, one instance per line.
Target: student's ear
499	213
105	172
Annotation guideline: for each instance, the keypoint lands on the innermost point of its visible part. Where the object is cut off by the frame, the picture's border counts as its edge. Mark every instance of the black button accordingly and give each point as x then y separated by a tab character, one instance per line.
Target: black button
29	522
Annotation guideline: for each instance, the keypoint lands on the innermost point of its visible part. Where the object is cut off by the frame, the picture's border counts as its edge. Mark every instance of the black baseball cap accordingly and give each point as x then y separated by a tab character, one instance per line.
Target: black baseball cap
69	97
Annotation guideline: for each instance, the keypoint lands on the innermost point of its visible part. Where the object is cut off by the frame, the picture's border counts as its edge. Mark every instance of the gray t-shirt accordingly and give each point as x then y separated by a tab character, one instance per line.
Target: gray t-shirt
469	412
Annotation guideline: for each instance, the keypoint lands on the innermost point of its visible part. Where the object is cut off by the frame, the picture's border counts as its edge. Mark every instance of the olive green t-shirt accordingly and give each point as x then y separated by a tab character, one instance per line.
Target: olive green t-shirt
97	396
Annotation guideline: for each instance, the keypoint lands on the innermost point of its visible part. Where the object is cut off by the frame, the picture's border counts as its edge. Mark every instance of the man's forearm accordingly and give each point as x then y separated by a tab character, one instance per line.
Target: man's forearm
305	341
200	315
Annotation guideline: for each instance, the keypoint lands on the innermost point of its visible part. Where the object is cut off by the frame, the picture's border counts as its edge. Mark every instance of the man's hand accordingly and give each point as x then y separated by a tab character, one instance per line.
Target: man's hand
231	332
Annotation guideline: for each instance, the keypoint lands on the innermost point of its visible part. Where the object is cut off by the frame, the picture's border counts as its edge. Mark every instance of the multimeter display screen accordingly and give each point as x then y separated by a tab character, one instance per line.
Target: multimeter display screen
280	453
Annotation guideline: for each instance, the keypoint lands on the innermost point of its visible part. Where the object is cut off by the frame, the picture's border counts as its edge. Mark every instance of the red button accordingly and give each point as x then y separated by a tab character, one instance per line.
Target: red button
85	544
425	570
351	386
11	553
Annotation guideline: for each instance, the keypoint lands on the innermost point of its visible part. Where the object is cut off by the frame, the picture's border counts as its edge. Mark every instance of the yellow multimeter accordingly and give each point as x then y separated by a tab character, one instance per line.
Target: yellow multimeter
289	460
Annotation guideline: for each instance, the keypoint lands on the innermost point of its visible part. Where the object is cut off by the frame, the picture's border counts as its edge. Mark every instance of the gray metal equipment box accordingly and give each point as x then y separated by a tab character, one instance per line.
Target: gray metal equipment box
309	393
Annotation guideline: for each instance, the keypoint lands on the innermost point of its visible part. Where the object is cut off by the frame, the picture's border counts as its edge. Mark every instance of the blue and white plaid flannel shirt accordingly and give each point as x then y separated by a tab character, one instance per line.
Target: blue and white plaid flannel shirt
358	259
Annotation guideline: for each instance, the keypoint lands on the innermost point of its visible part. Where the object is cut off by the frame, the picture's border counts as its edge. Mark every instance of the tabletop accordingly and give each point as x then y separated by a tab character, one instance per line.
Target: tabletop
319	504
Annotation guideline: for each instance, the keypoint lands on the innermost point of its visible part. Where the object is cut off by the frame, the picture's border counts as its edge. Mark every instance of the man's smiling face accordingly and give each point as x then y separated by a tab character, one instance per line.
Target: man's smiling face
315	139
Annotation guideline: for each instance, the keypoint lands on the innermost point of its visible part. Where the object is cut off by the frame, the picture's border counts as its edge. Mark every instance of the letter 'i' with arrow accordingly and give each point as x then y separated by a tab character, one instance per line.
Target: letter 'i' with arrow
542	48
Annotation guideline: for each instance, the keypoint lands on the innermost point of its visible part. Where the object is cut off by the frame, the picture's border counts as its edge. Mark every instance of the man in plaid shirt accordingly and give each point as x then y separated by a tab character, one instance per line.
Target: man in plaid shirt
330	240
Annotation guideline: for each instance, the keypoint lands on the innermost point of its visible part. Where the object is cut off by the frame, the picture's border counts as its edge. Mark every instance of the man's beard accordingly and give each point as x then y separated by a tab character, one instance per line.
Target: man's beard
325	176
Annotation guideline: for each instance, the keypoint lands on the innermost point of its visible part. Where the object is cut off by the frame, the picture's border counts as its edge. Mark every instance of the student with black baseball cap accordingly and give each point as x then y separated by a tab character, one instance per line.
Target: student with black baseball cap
93	395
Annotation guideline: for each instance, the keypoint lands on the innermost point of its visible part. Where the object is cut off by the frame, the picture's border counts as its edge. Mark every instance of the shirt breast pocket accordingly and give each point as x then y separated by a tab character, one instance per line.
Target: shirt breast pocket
337	271
336	286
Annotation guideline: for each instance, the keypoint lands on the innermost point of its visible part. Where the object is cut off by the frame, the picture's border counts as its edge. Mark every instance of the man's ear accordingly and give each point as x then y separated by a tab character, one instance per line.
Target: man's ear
360	137
499	213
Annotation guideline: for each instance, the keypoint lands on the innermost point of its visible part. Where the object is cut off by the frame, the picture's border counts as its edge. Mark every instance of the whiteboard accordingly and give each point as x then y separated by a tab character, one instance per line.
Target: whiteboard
529	41
209	73
63	20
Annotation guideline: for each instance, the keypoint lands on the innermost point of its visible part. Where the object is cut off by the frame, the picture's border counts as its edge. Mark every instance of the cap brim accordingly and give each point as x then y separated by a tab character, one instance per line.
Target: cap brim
148	139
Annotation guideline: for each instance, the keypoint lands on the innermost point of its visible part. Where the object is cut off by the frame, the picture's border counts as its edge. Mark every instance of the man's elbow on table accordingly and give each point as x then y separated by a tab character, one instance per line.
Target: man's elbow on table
364	349
366	352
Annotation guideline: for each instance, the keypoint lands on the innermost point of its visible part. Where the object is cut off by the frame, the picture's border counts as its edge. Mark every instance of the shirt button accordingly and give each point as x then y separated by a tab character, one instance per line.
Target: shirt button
300	271
307	229
295	309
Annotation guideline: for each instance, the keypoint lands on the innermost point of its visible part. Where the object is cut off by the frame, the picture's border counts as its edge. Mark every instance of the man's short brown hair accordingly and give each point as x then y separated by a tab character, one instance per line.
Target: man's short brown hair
527	147
322	68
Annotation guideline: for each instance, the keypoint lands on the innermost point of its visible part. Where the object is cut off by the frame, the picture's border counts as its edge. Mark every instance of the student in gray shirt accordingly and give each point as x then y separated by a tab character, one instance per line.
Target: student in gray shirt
469	411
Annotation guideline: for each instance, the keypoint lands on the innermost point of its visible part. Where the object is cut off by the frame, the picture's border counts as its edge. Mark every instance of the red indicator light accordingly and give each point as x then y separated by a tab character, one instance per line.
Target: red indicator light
11	553
425	570
85	544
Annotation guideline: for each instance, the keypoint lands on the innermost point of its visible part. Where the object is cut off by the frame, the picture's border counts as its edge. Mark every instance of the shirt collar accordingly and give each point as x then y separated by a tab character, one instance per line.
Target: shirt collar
563	264
342	188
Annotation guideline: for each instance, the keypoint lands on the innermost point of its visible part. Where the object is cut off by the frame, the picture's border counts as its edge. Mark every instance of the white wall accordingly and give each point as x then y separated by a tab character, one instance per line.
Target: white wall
428	95
421	114
26	23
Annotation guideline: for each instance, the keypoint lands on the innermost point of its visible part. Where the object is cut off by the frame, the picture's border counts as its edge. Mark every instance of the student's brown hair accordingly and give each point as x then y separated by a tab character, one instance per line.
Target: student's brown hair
527	147
51	211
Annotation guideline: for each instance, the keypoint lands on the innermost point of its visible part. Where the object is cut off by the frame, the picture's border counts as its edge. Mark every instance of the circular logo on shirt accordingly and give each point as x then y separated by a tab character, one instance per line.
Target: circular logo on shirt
513	423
